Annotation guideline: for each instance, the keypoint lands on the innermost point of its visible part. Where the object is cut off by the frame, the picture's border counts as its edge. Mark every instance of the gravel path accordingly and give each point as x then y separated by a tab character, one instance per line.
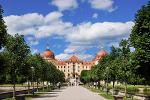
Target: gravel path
70	93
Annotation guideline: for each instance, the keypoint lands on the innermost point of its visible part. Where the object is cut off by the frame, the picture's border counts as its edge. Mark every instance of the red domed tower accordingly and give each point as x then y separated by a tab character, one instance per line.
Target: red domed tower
99	54
48	55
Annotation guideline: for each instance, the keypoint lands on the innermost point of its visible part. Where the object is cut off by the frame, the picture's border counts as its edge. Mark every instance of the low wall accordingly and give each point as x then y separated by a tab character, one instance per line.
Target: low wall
129	94
17	92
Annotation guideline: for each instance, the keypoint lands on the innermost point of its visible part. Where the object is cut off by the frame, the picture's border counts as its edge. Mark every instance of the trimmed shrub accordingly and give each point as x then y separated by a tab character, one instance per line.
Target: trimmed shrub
132	89
145	89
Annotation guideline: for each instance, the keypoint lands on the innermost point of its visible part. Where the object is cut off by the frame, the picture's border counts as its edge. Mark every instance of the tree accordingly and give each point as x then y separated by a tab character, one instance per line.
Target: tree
140	40
125	68
3	41
83	76
17	50
113	62
36	63
3	31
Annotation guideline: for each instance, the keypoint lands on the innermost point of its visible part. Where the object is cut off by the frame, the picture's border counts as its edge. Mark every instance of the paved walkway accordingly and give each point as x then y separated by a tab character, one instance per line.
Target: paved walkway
70	93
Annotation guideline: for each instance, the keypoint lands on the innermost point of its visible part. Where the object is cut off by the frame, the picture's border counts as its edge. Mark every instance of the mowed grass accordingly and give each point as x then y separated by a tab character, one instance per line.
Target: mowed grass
97	90
94	90
109	96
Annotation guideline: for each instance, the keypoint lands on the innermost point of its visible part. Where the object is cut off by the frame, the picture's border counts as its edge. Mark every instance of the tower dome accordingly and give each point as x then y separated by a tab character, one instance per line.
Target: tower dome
99	54
48	55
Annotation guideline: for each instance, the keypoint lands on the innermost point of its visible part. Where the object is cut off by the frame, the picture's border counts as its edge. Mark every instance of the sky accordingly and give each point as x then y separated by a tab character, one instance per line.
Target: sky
71	26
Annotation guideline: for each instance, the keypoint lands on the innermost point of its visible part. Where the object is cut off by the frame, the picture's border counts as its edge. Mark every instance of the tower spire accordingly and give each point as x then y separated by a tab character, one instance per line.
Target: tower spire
47	45
102	46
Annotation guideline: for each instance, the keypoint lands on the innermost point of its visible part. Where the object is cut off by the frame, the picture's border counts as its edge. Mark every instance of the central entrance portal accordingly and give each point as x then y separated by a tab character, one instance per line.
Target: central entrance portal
73	75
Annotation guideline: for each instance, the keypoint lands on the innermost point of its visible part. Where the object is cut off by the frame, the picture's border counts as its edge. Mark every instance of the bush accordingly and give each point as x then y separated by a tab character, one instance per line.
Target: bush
132	89
110	86
117	87
145	89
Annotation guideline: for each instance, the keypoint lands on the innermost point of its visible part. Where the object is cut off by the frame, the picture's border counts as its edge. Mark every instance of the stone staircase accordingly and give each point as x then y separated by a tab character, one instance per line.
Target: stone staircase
72	80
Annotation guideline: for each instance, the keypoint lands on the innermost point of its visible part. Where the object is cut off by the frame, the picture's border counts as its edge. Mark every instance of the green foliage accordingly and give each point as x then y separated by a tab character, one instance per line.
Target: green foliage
3	31
97	90
83	76
132	89
145	89
140	40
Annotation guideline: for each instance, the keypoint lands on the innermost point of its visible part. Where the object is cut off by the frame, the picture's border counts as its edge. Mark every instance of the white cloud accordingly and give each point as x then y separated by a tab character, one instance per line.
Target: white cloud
102	5
35	51
115	44
95	15
65	4
58	46
37	25
81	56
58	37
34	42
30	38
87	35
82	36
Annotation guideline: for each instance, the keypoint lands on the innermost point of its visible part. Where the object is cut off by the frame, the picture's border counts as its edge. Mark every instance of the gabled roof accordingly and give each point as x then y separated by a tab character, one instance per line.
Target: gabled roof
73	59
60	63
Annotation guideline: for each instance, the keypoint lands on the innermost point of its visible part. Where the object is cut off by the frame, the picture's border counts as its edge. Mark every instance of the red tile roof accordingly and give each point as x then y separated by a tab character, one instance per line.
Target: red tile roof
60	63
73	59
88	62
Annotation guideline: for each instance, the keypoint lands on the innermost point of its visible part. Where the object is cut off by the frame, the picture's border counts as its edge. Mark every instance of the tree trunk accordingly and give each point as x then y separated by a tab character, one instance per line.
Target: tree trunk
96	85
37	86
113	86
14	88
125	87
47	84
43	85
28	87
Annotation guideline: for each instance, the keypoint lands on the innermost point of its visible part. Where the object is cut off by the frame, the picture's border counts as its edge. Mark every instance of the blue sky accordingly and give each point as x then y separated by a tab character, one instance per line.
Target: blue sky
71	26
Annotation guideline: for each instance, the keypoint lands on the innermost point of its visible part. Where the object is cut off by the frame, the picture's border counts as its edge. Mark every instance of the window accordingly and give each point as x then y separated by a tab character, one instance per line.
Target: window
82	66
68	70
58	66
68	66
78	66
68	63
64	70
61	66
86	66
78	63
78	70
73	66
64	66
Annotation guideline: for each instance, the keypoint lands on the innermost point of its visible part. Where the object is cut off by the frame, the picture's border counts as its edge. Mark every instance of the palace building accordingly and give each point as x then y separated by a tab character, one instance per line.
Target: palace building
73	66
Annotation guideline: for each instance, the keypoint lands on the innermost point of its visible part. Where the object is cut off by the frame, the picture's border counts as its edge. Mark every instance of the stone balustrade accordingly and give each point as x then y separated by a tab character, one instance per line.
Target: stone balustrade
10	94
129	94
